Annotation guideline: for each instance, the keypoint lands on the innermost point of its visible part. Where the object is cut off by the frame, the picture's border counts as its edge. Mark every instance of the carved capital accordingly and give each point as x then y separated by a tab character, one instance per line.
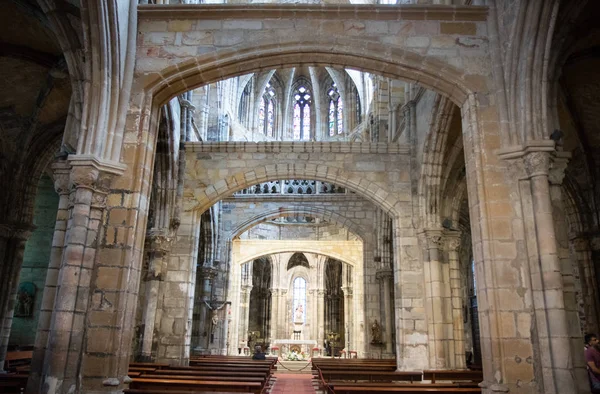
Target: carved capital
208	272
158	242
384	274
20	231
537	163
558	166
93	173
581	243
433	238
453	240
61	171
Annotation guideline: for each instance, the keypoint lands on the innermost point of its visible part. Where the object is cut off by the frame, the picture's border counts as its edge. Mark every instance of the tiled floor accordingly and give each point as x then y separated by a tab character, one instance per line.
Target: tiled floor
293	383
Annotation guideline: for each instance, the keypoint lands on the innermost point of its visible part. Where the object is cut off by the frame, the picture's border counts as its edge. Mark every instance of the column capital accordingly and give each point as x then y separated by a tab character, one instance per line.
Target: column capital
61	172
433	238
536	158
453	240
158	241
20	231
581	242
383	274
92	172
208	272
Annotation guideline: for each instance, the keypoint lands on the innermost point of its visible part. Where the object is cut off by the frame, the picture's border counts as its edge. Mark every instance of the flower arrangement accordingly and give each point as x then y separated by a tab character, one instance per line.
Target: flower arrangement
295	356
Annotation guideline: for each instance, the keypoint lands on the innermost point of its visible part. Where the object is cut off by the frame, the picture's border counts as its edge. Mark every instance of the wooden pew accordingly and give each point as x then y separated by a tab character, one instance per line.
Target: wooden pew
200	372
17	358
372	376
453	375
13	383
168	385
159	391
148	365
207	377
414	389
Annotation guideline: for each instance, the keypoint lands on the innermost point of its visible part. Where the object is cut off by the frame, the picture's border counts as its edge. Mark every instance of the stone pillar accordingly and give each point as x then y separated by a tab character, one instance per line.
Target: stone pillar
453	243
60	174
557	359
438	300
89	185
206	275
320	316
385	277
546	276
244	312
275	303
158	245
348	309
12	242
587	275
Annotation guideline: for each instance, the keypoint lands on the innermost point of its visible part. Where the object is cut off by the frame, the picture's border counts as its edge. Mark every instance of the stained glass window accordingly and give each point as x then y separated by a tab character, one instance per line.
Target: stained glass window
301	123
331	118
266	114
297	121
270	118
299	300
336	110
261	113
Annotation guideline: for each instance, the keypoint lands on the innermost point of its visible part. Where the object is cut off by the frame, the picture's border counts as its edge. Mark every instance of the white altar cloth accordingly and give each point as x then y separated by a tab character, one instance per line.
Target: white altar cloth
285	343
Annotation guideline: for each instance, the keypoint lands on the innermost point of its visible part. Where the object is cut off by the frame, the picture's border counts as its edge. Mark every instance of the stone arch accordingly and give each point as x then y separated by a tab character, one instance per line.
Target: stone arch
434	155
294	249
341	52
297	259
313	211
302	170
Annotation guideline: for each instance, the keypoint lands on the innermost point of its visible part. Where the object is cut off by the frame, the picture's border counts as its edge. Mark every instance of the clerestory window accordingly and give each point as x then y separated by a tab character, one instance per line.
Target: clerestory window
301	120
336	111
266	114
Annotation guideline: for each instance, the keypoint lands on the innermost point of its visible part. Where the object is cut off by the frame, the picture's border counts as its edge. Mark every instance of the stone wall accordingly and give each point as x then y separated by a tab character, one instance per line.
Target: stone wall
35	259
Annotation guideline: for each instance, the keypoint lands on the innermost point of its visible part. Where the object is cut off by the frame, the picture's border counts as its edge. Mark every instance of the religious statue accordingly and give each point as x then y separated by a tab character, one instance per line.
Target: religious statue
25	299
215	317
299	314
375	333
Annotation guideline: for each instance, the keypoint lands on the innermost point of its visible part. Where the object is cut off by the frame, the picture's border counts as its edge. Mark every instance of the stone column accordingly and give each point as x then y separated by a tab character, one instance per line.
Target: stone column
89	185
12	242
587	275
244	312
275	300
453	243
348	309
385	277
60	174
546	276
203	312
158	245
437	298
320	316
556	358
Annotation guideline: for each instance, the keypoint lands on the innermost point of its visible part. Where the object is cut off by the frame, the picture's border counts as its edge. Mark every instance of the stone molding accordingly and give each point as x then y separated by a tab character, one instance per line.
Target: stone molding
323	11
296	147
581	243
383	274
20	231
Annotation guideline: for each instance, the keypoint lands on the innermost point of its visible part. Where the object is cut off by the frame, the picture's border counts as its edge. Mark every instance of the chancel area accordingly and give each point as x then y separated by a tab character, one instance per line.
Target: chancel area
321	196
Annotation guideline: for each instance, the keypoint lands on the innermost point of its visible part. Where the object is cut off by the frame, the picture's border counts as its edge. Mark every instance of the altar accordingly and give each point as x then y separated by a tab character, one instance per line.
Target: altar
286	345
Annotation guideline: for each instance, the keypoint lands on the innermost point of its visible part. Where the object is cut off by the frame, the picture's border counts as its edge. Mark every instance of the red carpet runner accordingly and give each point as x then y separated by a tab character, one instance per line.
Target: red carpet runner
293	383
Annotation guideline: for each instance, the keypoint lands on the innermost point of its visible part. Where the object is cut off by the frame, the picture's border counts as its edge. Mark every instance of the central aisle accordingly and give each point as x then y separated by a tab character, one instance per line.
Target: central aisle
293	383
